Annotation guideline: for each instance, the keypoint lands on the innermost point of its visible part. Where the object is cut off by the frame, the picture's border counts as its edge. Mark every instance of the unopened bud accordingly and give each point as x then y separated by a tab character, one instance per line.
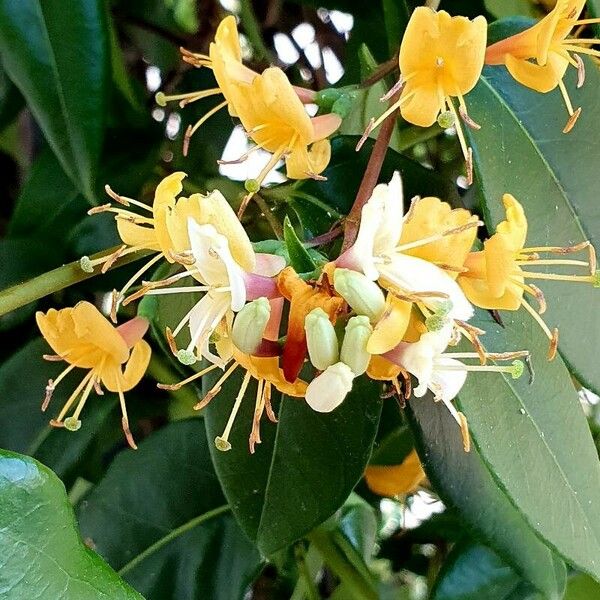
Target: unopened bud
85	264
446	120
321	339
249	325
325	99
327	391
354	347
72	424
186	357
363	295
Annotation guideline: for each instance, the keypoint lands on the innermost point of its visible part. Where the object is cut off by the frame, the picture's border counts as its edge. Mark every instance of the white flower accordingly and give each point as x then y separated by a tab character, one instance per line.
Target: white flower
328	390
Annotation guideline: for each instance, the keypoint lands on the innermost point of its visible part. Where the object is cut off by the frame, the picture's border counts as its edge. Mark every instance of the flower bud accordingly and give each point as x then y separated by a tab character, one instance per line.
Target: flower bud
354	347
327	391
363	295
321	339
249	325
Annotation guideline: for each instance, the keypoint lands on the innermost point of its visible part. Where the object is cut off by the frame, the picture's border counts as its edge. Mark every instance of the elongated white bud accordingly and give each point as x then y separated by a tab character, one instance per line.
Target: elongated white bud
321	339
327	391
363	295
354	347
249	325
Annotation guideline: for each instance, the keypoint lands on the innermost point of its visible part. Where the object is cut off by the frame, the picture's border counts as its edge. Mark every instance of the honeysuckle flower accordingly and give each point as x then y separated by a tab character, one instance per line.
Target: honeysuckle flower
277	121
303	298
84	338
496	276
321	339
227	287
330	388
396	480
539	56
441	372
441	58
379	254
250	324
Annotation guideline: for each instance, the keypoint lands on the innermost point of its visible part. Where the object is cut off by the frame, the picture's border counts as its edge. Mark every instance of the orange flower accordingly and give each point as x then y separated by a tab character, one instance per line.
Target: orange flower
396	480
539	56
84	338
495	277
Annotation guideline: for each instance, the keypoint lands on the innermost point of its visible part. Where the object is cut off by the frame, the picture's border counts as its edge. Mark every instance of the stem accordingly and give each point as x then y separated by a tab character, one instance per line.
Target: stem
253	30
47	283
211	514
358	586
324	238
370	177
383	70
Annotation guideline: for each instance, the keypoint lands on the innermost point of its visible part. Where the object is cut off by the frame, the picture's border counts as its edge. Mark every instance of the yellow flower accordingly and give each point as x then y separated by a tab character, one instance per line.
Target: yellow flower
396	480
164	229
84	338
441	58
539	56
495	277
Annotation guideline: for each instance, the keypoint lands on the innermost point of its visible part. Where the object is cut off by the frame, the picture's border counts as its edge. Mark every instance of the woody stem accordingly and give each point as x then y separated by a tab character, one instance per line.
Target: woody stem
370	177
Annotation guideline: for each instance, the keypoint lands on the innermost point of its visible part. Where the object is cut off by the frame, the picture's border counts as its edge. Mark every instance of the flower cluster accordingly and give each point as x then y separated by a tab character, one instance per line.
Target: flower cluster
393	306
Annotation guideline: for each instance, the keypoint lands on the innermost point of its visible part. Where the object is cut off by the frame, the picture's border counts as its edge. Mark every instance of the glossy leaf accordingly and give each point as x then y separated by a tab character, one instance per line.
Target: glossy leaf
464	483
43	555
60	65
184	544
305	467
300	259
535	438
520	150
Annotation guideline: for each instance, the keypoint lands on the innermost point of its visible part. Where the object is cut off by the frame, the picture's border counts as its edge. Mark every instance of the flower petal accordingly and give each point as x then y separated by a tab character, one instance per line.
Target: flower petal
327	391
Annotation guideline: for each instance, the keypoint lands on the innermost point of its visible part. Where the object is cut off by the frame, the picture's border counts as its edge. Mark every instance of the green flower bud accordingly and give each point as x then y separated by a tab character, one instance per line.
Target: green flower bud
321	340
363	295
326	98
249	325
354	347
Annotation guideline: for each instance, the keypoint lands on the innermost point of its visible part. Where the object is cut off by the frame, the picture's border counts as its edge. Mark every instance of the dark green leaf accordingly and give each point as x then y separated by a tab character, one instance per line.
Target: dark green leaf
395	14
11	100
471	572
300	259
465	484
520	150
521	432
305	467
159	516
358	522
508	8
60	65
43	555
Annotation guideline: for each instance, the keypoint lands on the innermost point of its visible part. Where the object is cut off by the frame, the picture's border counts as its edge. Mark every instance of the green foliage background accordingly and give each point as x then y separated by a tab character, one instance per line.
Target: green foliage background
82	517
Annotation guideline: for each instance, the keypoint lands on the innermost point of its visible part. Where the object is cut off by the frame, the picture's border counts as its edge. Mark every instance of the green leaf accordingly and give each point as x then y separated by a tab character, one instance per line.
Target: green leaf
60	65
395	14
508	8
42	553
305	467
472	571
582	587
358	522
520	150
347	166
160	518
300	259
464	483
520	430
23	379
11	100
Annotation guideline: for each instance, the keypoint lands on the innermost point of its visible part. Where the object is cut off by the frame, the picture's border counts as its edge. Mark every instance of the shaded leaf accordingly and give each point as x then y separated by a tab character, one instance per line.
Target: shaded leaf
42	553
60	65
159	516
300	259
305	467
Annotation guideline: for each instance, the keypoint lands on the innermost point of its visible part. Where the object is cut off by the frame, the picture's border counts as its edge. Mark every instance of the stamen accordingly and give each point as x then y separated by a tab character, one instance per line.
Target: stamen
112	259
573	114
466	150
216	388
125	421
552	261
191	130
268	406
182	290
171	340
73	422
52	357
551	335
72	398
124	200
173	387
558	249
258	411
467	119
395	89
184	258
119	297
515	369
439	236
222	441
580	70
556	277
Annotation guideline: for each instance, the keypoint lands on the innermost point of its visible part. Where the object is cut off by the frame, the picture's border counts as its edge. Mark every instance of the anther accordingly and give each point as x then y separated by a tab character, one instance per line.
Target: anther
580	70
572	120
365	135
464	115
99	209
171	341
553	345
49	391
